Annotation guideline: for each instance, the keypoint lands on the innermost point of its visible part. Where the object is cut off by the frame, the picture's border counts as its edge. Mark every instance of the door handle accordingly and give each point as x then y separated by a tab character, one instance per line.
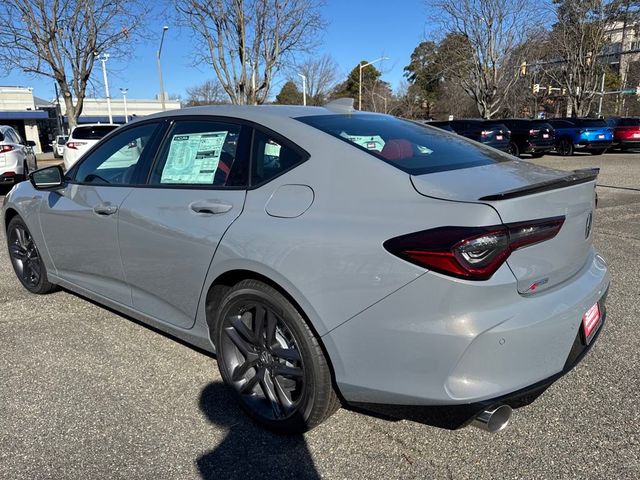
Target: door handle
210	207
105	209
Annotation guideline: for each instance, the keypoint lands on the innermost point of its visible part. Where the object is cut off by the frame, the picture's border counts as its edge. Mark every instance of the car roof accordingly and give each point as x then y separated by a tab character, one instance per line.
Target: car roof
260	113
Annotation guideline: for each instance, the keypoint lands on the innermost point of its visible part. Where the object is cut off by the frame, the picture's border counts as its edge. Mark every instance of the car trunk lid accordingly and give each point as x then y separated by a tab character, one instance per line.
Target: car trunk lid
522	192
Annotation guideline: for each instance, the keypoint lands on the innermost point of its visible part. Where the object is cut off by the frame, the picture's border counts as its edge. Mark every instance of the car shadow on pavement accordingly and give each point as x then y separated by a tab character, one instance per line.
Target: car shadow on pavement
249	451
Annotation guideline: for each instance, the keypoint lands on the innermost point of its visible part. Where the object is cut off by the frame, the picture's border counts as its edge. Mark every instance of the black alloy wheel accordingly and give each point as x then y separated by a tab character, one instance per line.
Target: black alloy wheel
514	150
565	147
272	360
25	258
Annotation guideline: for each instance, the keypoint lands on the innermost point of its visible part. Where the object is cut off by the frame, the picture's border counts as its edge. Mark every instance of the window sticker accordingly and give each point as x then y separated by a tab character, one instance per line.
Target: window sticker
193	158
370	142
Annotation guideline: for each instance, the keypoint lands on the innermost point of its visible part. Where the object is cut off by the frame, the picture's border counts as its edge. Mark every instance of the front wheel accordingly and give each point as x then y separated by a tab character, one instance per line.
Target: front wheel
273	361
25	258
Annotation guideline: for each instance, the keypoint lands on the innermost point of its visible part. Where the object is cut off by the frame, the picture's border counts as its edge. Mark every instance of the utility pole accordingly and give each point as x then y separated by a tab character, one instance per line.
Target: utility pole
103	58
124	91
164	29
59	111
304	89
601	97
363	65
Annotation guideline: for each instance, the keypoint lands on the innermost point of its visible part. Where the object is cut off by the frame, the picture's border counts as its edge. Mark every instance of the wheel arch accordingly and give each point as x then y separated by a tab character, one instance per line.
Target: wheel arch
224	281
9	214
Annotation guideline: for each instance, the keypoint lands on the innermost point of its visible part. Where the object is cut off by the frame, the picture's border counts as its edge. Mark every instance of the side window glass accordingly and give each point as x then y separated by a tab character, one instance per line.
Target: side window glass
201	153
115	161
271	158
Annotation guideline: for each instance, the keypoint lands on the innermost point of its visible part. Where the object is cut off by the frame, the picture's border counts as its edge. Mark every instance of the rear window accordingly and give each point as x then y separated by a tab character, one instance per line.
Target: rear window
629	122
62	140
589	122
1	137
411	147
95	132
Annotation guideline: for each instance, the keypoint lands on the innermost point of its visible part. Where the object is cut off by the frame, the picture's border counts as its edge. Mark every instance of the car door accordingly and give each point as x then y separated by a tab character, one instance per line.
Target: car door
79	222
169	230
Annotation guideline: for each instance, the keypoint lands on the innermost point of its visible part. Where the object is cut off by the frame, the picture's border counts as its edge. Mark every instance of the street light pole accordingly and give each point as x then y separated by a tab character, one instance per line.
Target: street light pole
103	58
164	29
363	65
124	91
304	89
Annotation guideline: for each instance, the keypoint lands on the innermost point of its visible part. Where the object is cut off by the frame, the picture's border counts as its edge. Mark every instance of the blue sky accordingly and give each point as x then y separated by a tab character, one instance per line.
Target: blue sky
358	30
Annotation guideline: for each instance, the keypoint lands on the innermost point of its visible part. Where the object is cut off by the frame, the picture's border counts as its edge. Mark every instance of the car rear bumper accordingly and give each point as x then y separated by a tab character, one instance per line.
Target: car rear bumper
624	143
540	147
593	145
457	416
442	345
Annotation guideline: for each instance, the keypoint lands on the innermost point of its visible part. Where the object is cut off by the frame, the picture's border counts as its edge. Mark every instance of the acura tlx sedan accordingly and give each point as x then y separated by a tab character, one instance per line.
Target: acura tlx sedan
328	257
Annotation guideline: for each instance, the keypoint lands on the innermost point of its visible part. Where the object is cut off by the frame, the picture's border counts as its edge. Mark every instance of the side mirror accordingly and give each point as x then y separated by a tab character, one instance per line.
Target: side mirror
31	143
48	178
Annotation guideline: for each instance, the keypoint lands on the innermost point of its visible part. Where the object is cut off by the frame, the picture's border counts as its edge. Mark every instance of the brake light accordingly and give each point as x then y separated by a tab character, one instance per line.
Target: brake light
533	132
6	148
485	133
473	253
75	145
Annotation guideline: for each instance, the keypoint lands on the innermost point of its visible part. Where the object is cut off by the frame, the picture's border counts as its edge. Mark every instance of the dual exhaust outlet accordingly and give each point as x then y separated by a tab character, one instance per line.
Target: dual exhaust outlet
494	419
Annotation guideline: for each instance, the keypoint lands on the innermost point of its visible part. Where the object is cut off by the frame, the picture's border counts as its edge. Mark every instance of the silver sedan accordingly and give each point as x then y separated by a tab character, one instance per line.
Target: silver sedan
328	257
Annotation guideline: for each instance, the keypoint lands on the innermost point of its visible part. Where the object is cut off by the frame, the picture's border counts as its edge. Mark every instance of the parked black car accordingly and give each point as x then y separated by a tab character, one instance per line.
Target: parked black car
494	135
528	136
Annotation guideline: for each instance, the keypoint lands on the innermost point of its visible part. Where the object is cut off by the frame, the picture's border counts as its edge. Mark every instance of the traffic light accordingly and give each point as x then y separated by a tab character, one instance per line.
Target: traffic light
523	69
536	88
638	91
564	91
550	89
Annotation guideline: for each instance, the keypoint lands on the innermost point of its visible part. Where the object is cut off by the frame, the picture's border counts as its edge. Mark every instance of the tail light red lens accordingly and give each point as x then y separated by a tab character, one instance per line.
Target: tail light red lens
473	253
5	148
75	145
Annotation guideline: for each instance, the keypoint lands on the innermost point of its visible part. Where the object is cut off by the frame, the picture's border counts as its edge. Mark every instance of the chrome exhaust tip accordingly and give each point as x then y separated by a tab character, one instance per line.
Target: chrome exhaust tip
493	420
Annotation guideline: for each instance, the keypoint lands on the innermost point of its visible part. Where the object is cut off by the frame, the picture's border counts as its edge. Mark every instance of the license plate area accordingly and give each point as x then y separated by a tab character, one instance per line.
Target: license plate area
591	321
601	137
545	135
499	137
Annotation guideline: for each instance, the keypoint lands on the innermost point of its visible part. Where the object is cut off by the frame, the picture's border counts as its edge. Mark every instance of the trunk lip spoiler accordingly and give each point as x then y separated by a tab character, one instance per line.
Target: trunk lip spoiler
573	178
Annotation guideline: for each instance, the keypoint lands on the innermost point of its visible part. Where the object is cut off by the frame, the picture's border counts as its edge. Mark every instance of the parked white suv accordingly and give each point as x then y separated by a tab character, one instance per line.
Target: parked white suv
58	145
16	156
82	138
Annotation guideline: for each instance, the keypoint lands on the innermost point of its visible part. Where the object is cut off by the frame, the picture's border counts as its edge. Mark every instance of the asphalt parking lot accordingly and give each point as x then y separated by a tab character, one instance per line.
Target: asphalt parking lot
87	393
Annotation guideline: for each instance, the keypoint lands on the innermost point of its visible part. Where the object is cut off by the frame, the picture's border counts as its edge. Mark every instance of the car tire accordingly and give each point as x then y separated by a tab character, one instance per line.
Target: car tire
565	147
25	258
272	359
514	150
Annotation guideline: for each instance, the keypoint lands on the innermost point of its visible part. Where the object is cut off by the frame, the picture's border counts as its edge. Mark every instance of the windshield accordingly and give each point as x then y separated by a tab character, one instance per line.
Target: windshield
62	140
93	132
589	122
411	147
629	122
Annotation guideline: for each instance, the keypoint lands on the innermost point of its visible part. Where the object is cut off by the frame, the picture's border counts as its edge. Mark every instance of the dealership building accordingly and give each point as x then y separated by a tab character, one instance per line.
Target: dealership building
38	120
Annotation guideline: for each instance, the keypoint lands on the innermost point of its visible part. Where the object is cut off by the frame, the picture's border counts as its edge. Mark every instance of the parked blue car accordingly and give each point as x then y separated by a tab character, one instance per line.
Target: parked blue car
581	134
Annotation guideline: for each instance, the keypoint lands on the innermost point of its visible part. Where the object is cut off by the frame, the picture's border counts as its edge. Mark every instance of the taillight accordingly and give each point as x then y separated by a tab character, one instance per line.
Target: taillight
473	253
533	133
5	148
485	133
75	145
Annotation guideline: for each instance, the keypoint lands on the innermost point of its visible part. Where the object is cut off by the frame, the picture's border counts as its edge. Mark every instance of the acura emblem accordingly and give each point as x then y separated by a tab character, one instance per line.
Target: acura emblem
587	227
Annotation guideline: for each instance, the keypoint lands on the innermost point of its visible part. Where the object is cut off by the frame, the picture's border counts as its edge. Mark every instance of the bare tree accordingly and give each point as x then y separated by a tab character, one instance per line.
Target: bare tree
485	36
60	38
249	41
209	92
321	75
575	43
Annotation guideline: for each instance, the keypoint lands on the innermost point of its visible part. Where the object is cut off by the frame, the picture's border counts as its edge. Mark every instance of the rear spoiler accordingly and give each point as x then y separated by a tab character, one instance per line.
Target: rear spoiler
574	178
